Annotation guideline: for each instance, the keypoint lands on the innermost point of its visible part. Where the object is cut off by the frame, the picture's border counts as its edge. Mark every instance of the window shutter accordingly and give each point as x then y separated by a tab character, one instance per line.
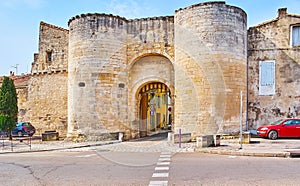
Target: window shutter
267	78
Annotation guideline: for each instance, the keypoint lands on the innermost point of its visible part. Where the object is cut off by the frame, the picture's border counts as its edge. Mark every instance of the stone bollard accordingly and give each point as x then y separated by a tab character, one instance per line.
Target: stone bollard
217	140
205	141
50	136
169	136
201	141
246	137
185	138
121	135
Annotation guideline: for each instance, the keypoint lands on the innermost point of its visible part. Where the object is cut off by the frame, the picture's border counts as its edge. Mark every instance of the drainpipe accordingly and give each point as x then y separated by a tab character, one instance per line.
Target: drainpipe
247	83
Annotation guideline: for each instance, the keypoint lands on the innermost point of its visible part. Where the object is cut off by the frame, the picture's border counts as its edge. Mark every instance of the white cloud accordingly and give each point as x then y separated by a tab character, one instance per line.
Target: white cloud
21	3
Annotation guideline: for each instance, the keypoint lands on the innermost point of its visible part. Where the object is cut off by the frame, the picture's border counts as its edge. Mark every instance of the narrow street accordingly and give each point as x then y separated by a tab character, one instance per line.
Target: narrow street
149	161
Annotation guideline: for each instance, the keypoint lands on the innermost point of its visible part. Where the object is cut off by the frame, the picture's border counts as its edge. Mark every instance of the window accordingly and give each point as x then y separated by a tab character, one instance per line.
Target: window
295	38
49	56
266	77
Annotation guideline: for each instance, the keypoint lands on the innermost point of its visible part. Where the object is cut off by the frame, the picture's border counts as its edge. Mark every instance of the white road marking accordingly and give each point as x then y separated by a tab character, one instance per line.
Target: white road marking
165	156
86	156
158	183
163	163
164	159
161	168
160	175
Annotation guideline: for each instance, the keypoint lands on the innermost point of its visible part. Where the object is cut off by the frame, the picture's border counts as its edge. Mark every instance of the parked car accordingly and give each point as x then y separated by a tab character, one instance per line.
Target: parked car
284	128
23	128
3	134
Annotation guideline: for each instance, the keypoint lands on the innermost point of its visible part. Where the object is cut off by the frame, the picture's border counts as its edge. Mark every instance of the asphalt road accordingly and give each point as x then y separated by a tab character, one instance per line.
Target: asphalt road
208	169
100	167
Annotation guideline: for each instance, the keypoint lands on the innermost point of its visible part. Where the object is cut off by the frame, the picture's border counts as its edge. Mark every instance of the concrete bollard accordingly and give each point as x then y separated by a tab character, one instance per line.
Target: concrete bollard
201	141
217	139
169	136
205	141
121	135
246	137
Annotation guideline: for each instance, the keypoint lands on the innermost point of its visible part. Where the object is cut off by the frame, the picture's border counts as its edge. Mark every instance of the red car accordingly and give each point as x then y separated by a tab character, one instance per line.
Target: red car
289	127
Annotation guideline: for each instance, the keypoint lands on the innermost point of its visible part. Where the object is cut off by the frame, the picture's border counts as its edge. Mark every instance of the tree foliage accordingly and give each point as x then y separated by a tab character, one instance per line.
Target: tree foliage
8	105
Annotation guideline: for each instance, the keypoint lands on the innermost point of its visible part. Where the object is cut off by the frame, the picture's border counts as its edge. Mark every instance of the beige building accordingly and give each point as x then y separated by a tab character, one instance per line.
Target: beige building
274	69
107	74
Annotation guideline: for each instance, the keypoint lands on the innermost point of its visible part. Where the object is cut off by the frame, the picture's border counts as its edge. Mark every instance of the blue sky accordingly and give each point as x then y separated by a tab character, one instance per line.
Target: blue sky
20	19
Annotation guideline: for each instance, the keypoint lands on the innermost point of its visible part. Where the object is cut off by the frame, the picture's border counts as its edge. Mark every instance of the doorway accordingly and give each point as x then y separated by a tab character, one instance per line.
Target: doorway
156	108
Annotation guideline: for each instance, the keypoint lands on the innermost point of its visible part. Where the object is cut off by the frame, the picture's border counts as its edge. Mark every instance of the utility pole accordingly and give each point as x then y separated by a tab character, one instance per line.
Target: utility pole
16	67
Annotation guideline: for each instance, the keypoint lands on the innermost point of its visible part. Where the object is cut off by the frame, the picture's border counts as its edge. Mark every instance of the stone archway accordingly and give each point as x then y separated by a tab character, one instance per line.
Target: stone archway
150	70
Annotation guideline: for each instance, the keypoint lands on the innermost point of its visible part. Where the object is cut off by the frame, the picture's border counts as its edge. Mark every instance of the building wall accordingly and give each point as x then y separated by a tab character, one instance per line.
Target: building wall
210	67
46	106
46	99
54	40
271	41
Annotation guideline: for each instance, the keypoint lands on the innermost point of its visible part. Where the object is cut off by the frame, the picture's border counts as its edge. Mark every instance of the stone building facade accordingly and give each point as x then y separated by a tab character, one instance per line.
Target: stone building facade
274	69
107	74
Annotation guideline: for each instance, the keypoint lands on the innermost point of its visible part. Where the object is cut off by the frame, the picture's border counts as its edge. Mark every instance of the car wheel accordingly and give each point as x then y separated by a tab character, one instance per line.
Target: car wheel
273	135
20	133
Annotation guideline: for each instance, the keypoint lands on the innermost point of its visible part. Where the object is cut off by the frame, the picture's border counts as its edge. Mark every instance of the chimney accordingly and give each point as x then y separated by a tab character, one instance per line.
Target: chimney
282	12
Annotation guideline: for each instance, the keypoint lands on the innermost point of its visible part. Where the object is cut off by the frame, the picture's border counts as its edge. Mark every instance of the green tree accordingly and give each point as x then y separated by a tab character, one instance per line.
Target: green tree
8	105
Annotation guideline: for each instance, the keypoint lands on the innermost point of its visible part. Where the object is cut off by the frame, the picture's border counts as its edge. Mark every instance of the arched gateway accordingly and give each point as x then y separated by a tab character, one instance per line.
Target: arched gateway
152	81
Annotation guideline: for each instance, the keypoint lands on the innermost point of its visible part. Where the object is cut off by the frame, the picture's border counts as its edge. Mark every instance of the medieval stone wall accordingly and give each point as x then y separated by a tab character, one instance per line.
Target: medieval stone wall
271	41
46	107
53	41
46	100
210	67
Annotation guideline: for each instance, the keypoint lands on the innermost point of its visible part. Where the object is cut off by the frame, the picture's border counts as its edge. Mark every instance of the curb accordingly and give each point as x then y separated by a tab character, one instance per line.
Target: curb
61	148
253	154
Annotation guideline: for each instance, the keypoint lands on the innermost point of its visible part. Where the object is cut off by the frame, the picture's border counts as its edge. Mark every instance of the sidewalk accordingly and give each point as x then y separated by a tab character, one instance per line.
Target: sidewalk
258	147
23	145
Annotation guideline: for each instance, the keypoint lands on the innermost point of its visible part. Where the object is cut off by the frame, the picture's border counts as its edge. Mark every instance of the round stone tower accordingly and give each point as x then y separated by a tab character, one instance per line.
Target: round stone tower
96	74
210	68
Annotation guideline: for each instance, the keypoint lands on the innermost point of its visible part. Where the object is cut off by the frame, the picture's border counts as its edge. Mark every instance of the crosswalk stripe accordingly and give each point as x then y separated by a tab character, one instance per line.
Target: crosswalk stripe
160	175
158	183
161	168
164	159
163	163
165	156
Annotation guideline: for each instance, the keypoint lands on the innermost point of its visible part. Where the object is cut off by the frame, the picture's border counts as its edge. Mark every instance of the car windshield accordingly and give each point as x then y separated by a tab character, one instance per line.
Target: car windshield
277	122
